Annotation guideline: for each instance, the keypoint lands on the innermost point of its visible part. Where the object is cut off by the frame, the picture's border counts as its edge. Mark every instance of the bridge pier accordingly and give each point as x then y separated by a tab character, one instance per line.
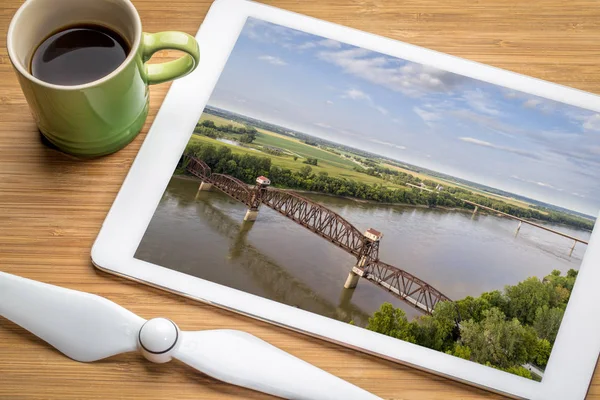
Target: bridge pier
346	298
251	215
518	228
204	186
369	251
572	248
475	210
352	280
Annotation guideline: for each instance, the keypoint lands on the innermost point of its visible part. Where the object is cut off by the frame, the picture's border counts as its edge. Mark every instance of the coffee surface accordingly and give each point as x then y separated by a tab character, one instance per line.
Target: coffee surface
79	54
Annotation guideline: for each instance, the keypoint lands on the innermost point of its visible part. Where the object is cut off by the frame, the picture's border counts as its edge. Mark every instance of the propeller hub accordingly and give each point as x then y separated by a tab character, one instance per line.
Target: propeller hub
158	339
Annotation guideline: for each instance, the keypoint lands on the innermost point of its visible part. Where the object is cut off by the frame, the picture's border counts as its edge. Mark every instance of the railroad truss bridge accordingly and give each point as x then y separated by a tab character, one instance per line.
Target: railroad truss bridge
330	226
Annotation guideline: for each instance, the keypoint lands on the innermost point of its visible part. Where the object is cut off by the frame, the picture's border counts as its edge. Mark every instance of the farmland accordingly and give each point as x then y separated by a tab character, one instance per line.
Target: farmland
448	183
341	164
328	162
331	168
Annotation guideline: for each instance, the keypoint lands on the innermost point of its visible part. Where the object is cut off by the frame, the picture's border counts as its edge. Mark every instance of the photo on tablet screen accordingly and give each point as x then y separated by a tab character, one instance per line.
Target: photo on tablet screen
414	202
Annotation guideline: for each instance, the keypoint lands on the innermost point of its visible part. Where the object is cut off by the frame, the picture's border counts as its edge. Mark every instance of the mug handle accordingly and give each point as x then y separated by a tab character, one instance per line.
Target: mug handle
172	40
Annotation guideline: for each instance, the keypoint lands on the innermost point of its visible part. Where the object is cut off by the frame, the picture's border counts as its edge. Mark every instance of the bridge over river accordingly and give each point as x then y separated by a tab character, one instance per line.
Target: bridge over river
477	206
331	227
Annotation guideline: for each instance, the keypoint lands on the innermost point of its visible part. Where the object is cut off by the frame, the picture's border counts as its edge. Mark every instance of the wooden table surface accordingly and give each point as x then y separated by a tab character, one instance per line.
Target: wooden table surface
52	206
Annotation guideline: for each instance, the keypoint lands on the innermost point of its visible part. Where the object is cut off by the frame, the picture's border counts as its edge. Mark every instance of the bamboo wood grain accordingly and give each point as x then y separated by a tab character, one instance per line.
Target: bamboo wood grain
52	206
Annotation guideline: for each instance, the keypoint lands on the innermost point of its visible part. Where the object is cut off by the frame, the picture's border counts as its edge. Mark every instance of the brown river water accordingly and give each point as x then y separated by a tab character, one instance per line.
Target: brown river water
203	234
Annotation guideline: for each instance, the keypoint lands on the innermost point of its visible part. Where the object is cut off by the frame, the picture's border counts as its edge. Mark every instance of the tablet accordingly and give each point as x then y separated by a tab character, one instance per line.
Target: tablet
409	204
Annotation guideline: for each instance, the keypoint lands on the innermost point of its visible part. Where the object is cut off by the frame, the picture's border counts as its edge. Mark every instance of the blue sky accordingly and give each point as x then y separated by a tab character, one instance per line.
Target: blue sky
470	129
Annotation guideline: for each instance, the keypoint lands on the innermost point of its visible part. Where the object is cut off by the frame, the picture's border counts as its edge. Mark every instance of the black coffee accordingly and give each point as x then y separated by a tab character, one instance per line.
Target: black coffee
79	54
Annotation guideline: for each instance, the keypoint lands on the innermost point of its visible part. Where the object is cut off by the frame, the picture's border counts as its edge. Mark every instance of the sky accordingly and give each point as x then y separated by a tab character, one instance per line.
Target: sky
510	140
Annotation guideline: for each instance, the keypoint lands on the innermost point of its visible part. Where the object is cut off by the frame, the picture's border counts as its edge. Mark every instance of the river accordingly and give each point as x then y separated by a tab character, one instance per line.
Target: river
203	234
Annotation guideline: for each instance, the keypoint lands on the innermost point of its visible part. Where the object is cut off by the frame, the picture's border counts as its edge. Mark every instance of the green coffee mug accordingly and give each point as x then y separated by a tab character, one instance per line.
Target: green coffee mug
102	116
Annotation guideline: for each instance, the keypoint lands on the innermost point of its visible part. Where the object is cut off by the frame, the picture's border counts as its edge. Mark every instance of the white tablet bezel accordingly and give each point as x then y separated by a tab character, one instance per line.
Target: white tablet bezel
576	349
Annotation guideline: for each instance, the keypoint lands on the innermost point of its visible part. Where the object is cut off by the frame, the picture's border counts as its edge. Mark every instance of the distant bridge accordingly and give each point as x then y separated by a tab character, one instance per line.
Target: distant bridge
330	226
521	220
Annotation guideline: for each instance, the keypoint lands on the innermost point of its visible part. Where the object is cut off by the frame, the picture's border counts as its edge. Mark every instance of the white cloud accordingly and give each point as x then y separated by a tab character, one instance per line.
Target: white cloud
329	102
511	94
538	183
427	116
544	185
329	43
480	101
532	103
381	110
595	150
476	141
272	60
586	120
592	123
401	76
578	195
306	45
483	143
387	144
322	125
355	94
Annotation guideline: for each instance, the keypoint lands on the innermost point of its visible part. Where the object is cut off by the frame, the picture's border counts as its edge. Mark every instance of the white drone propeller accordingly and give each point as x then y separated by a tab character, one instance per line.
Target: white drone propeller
86	327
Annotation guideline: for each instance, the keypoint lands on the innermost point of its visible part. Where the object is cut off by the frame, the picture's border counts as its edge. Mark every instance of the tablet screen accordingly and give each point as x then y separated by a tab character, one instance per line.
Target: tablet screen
408	200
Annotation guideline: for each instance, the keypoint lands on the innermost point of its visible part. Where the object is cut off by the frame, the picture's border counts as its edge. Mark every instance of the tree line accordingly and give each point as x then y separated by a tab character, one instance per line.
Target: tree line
402	178
247	134
248	167
502	329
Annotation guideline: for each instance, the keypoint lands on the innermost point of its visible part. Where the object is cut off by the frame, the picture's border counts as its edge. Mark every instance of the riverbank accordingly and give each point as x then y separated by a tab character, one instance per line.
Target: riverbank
364	201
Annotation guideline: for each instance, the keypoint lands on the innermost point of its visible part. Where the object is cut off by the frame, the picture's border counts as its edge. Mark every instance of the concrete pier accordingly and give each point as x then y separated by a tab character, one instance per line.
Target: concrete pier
251	215
518	228
352	280
204	186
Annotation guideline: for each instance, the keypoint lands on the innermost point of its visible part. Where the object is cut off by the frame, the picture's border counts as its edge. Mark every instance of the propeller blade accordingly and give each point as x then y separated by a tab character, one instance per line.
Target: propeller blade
241	359
83	326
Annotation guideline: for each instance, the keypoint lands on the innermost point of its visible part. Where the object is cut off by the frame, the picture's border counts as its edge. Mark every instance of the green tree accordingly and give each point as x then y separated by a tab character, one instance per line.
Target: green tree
542	353
520	371
565	282
295	158
472	308
433	333
245	138
224	153
305	171
392	322
495	340
230	167
460	351
547	321
496	299
526	297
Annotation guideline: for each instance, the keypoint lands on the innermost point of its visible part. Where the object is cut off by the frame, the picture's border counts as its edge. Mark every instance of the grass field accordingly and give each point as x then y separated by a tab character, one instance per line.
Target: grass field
219	120
303	150
331	163
295	146
444	182
288	162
